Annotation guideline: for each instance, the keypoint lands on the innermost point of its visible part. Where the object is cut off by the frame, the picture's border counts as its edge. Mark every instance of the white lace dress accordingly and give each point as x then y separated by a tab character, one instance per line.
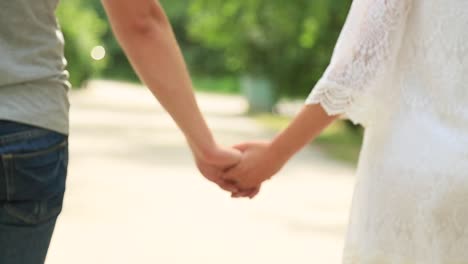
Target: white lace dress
400	69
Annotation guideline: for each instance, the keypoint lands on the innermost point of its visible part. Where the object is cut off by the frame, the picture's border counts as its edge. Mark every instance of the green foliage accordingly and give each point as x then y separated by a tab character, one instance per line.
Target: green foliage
205	63
225	85
202	60
82	29
341	140
289	42
118	66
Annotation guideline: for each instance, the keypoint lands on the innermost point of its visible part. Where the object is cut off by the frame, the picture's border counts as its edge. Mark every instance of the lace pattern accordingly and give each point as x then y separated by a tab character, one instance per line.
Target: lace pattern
365	52
400	68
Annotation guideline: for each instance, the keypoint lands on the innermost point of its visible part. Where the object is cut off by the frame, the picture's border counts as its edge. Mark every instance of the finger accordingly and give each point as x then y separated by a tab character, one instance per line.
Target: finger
231	182
228	168
232	175
227	186
235	195
240	178
242	146
227	157
251	193
233	152
254	193
239	195
245	193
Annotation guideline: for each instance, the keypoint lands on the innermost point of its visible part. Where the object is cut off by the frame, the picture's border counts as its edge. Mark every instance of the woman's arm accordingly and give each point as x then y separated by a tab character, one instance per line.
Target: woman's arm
363	56
262	160
305	127
146	36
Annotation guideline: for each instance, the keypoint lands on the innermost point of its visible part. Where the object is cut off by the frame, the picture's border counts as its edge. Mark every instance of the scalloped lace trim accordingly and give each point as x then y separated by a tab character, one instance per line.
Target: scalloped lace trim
338	100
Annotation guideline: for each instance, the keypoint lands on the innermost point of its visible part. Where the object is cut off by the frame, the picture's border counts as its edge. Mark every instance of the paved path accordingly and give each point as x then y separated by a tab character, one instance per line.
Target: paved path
134	195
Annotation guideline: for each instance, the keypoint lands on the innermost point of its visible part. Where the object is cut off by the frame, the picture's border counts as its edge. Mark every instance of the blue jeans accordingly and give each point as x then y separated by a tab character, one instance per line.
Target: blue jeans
33	169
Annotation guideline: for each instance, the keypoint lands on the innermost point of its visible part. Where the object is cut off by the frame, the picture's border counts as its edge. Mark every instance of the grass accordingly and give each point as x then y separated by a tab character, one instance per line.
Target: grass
223	85
337	141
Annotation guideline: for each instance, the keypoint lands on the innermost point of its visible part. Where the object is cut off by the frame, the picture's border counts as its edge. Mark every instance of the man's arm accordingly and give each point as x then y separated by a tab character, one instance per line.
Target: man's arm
146	36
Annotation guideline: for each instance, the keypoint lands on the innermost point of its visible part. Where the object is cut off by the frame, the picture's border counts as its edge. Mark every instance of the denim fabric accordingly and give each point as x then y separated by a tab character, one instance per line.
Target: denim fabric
33	169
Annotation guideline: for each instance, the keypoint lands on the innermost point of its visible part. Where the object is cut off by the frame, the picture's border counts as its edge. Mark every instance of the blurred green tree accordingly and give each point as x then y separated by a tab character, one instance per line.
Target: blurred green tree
201	59
83	29
118	66
287	43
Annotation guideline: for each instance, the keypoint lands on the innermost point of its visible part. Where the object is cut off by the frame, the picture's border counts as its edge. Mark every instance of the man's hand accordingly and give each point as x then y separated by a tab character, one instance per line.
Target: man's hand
213	165
257	165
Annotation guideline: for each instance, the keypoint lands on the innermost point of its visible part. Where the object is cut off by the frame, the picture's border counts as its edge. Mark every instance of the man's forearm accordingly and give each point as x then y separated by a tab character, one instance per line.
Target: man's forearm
152	49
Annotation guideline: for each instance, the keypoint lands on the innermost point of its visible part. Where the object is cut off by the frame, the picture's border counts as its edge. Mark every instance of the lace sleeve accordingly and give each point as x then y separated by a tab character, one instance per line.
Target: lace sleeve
365	50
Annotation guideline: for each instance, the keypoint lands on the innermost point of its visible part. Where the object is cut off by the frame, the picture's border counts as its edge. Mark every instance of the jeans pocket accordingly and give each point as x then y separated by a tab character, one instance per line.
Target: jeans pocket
36	183
40	174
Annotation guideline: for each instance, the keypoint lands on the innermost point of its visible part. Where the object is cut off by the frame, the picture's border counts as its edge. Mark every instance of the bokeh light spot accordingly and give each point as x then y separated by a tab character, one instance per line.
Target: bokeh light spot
98	53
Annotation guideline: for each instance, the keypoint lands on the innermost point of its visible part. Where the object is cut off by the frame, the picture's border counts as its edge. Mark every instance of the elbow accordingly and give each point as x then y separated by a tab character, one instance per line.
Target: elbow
150	21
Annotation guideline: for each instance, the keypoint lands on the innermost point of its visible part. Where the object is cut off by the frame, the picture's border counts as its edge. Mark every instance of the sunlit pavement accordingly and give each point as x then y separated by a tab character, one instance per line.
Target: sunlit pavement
135	196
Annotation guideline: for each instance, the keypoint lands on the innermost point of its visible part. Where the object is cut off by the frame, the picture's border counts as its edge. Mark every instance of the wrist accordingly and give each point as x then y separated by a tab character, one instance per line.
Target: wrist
278	154
204	151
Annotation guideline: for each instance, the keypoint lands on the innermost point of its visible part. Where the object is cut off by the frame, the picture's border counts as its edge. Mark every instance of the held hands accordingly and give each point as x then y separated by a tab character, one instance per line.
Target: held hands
213	166
258	164
240	170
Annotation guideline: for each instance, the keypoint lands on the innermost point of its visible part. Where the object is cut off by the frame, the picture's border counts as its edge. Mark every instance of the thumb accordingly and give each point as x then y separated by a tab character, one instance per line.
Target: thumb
227	157
231	175
242	146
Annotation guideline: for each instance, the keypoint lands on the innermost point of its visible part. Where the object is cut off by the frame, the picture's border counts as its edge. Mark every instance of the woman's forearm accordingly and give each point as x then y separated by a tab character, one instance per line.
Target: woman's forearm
262	160
146	36
305	127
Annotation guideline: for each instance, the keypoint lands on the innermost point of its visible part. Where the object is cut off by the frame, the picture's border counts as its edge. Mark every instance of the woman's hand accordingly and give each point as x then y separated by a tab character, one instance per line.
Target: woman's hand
261	160
257	165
